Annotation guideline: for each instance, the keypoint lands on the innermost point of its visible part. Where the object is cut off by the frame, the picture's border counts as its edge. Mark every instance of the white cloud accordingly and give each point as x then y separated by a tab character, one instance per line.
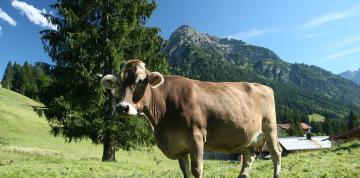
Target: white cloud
0	30
7	18
341	54
332	17
346	42
253	33
33	14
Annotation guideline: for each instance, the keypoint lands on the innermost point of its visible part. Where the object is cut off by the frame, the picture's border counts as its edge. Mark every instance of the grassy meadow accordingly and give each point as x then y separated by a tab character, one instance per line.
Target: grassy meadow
316	118
28	150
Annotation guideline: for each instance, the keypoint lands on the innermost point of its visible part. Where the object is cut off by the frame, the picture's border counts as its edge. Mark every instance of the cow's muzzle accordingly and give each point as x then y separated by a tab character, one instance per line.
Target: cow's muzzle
126	108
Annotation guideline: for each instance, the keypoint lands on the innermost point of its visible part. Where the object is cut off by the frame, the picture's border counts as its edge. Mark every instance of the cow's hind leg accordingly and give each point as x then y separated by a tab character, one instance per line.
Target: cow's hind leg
248	158
184	165
272	142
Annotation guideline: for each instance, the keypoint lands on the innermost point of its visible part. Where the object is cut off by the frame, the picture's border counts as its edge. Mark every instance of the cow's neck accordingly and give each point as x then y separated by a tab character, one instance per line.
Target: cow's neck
156	107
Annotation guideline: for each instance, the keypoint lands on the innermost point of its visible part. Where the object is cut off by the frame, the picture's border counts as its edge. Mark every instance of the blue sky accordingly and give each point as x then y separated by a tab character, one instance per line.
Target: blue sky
325	33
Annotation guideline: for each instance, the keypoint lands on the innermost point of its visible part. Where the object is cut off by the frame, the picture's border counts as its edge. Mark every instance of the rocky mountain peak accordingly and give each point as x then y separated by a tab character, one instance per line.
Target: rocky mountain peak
226	49
185	29
352	75
186	33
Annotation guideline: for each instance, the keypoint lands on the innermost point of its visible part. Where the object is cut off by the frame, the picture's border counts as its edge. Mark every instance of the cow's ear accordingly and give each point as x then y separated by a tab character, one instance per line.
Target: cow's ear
155	79
110	82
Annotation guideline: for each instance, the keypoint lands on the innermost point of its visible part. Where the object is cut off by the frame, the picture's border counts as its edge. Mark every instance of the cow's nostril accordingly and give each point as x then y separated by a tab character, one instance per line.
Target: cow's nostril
126	108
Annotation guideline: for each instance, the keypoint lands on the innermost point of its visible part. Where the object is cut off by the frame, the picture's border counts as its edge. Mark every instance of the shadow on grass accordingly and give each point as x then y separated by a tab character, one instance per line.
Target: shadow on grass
348	147
38	109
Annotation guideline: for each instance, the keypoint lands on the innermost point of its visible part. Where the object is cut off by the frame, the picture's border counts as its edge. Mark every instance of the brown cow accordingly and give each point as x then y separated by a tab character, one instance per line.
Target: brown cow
189	116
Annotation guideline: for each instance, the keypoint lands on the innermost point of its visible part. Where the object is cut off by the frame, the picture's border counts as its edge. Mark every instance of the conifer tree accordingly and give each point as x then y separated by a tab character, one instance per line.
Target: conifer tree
352	120
7	79
41	79
328	125
95	37
16	81
28	85
295	129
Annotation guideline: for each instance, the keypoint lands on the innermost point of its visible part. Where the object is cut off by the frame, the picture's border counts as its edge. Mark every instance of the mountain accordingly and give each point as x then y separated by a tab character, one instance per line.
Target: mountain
352	75
304	88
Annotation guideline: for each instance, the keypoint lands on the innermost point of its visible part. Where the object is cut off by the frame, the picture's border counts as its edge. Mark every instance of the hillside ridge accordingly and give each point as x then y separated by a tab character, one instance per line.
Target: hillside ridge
22	127
306	88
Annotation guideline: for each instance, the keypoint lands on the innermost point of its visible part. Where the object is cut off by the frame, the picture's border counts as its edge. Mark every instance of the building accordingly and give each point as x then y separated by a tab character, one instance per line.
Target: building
306	128
295	144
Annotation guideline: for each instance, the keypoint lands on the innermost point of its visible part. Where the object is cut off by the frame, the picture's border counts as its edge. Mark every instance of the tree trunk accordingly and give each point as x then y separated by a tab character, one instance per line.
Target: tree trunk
109	148
108	140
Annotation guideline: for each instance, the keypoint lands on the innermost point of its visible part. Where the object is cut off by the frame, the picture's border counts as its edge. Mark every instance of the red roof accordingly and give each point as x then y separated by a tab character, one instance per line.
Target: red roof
287	126
305	126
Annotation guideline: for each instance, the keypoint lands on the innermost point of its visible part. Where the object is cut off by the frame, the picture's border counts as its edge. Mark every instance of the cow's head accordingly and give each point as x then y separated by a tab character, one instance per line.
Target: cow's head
135	82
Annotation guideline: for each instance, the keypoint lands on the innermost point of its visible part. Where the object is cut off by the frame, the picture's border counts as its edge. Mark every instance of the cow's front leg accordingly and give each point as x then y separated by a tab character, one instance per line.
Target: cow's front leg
184	165
196	154
248	158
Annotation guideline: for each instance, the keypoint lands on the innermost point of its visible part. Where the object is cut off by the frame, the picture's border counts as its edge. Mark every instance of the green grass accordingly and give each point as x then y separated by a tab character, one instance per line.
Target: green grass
20	125
28	150
316	118
342	161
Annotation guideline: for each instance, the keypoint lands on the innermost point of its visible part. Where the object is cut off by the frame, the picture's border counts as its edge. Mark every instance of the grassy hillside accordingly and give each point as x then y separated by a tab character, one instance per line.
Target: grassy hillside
28	150
316	118
21	126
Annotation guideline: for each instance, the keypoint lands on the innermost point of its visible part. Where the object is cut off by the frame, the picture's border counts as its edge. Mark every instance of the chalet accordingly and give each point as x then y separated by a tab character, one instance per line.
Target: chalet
306	128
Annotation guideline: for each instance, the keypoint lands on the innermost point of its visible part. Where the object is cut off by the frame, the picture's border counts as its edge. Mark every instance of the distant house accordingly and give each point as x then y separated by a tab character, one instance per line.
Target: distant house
306	128
294	144
353	134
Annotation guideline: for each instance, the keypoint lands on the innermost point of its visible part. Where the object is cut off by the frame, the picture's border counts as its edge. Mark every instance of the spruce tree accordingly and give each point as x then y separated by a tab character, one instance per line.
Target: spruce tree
28	85
8	76
295	129
95	37
42	80
352	120
16	81
328	125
